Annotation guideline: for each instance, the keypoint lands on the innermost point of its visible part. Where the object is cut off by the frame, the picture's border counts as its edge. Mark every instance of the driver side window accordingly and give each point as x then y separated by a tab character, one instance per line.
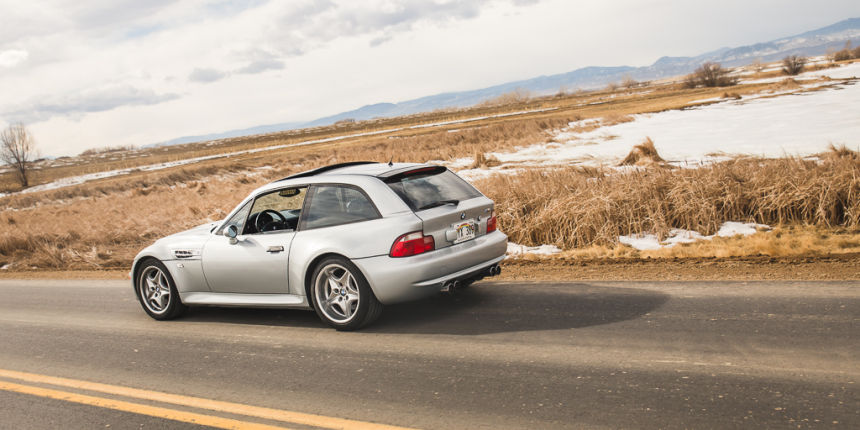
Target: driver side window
276	211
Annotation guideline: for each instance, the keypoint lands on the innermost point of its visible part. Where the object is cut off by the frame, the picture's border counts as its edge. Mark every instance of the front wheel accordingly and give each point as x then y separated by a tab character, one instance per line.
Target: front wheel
157	292
341	296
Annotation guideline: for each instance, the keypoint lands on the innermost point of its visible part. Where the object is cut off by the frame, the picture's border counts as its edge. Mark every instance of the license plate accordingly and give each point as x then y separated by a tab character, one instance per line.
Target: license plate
465	231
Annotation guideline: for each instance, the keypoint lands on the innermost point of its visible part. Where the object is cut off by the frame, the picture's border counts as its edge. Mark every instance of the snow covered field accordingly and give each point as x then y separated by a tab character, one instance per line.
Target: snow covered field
784	124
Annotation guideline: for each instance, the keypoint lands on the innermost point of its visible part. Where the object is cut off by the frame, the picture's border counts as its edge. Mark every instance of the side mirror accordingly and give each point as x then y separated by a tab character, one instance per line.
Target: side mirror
231	232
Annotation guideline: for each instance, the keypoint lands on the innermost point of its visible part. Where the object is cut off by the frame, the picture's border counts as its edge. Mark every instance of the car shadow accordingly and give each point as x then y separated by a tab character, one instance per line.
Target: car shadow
483	308
253	316
487	308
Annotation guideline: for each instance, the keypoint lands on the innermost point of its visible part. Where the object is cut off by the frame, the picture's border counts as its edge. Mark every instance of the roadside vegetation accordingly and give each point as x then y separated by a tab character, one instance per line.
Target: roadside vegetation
582	207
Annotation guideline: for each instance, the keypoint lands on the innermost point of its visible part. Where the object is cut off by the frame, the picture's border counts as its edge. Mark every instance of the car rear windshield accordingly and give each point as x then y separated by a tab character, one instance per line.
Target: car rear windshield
430	187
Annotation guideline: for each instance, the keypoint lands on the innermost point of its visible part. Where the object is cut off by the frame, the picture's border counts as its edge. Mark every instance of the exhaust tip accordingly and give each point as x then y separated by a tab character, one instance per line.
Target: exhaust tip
498	270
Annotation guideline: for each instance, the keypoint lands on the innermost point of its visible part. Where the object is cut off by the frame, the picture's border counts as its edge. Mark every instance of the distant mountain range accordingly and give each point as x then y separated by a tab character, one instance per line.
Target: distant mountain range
811	43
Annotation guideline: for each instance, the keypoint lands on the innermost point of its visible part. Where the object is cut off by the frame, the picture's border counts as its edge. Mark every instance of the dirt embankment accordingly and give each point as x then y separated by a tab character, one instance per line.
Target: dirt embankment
834	267
758	268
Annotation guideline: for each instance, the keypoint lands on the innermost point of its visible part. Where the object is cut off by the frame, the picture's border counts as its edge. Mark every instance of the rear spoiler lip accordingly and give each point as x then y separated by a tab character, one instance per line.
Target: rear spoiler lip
396	175
317	171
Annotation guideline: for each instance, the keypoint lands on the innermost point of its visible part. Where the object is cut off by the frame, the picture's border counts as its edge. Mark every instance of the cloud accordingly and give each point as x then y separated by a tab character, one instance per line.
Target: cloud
259	66
13	57
206	75
308	26
257	60
75	105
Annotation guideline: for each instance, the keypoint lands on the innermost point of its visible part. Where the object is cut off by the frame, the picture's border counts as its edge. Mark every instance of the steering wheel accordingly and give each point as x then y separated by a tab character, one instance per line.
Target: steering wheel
272	214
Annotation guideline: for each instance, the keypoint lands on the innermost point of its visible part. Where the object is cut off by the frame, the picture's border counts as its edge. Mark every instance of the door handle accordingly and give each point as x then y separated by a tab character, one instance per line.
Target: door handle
274	249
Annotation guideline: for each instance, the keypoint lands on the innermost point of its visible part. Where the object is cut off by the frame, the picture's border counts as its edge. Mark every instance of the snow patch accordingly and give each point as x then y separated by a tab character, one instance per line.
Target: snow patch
515	249
650	242
849	71
732	228
769	125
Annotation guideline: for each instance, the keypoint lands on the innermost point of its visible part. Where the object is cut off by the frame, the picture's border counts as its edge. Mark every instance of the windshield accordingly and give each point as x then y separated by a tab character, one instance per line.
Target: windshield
432	188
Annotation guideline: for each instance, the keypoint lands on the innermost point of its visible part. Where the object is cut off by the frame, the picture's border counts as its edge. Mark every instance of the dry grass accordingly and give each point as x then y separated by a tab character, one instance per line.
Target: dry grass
571	208
788	84
103	224
483	161
615	119
518	95
643	154
841	151
788	241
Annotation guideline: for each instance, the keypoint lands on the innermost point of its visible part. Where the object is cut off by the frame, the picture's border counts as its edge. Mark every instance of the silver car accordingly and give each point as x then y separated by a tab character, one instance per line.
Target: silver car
343	240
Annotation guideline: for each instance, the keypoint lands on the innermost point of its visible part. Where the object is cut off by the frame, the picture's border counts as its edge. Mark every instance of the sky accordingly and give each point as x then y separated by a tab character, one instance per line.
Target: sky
90	74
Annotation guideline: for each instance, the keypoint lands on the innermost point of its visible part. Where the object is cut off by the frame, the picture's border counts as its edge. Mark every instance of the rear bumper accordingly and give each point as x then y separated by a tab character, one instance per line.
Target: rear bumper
396	280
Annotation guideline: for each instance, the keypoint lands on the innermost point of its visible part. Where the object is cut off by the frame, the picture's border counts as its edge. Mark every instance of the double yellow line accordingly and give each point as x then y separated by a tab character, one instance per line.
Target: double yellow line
288	417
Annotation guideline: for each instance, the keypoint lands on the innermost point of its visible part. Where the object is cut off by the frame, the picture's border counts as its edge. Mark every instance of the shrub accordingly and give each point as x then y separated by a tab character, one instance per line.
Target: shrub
841	55
642	154
710	75
793	64
628	82
518	95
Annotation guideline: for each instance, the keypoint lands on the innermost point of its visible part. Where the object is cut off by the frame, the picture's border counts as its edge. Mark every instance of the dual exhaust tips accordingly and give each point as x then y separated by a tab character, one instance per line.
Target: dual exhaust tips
451	286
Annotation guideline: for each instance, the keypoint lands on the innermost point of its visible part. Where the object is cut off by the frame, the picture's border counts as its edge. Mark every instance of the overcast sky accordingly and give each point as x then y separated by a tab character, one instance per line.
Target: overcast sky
84	74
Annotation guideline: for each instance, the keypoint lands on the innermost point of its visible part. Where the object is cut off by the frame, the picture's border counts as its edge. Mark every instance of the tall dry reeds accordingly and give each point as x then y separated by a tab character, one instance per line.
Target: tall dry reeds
575	208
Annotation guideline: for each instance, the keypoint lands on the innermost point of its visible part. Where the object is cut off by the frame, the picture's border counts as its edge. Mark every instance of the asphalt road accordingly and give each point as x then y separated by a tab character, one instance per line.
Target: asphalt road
498	355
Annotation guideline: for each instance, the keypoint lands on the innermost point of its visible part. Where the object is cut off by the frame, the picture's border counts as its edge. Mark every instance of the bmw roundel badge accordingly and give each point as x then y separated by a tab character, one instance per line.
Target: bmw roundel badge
462	215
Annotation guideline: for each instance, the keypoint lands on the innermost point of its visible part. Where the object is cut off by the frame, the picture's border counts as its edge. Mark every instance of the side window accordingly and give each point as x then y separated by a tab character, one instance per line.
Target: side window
337	204
238	219
276	211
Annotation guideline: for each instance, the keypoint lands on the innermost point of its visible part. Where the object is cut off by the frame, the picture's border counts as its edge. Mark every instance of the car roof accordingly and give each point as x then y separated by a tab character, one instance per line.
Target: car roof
356	173
365	168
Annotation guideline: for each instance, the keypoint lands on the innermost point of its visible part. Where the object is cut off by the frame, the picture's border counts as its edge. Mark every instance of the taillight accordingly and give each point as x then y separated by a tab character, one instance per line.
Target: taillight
491	223
412	244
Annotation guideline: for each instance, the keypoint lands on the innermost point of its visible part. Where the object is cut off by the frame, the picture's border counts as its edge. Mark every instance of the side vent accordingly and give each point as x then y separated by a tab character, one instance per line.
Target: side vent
185	253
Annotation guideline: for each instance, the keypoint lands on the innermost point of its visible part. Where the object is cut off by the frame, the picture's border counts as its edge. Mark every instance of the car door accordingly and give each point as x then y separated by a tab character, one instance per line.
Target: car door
255	262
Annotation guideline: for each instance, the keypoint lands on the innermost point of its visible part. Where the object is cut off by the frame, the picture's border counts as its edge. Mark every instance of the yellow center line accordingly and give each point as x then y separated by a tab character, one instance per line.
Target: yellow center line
200	403
153	411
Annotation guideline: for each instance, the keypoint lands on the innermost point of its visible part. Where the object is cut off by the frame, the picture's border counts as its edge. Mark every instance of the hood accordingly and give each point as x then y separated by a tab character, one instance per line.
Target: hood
186	244
200	230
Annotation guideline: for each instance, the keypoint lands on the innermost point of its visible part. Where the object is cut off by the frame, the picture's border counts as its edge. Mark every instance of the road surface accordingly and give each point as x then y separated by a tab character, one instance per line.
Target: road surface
82	354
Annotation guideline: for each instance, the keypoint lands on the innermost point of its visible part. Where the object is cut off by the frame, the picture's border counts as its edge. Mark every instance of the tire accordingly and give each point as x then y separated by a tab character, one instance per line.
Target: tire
341	295
157	292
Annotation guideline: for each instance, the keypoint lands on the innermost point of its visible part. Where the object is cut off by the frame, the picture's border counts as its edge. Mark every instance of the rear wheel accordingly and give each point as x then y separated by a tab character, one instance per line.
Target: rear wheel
341	296
157	292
